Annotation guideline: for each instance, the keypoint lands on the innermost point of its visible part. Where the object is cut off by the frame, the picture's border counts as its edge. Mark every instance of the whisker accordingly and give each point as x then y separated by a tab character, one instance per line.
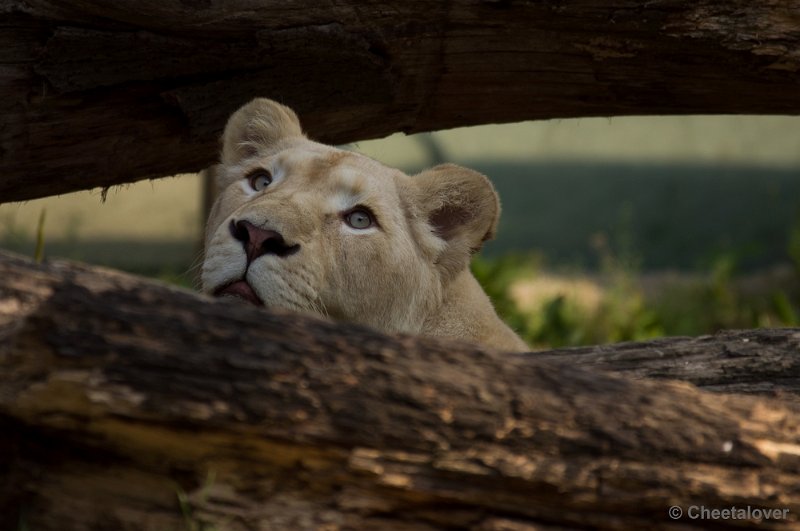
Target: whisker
323	309
193	271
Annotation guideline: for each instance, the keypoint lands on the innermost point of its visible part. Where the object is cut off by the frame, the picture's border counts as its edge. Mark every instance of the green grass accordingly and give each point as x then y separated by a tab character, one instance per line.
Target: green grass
677	305
191	520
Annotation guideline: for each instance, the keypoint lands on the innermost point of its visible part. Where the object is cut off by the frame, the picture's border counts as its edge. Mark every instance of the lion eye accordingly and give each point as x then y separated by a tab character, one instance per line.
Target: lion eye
359	219
259	179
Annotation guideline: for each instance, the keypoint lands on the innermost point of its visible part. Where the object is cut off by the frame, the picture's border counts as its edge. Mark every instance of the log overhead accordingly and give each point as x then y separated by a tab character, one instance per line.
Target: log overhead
116	416
112	91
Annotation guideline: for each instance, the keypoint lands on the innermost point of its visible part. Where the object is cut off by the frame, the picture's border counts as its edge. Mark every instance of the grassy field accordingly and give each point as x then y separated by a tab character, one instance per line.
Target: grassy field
151	228
671	216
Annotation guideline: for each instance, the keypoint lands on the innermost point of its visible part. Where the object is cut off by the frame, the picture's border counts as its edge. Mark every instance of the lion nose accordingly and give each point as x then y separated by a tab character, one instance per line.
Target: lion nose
258	242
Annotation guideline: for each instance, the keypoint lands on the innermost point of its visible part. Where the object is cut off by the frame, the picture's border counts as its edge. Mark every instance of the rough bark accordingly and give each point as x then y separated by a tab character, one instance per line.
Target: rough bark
106	92
763	362
113	412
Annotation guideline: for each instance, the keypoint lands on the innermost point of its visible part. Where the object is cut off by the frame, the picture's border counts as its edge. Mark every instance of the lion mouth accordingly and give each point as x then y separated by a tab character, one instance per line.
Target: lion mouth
240	289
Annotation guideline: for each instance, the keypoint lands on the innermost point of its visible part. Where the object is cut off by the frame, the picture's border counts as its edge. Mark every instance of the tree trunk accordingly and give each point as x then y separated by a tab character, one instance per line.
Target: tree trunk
119	416
106	92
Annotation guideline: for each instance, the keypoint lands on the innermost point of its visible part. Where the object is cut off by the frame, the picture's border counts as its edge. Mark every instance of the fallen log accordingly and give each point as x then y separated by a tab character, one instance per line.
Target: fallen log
107	92
128	404
765	362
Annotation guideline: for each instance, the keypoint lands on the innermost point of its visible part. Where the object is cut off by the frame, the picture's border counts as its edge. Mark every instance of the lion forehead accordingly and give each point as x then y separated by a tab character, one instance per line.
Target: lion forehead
320	162
344	176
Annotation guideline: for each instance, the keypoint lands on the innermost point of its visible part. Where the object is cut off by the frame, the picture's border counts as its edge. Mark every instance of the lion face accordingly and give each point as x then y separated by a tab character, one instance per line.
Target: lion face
308	227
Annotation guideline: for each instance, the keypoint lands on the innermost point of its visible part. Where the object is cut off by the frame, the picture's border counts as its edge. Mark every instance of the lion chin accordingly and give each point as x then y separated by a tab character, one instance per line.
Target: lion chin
307	226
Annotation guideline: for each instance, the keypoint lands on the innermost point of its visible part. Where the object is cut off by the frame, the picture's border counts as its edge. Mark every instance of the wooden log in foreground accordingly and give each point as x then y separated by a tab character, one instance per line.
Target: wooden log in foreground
763	362
104	92
126	404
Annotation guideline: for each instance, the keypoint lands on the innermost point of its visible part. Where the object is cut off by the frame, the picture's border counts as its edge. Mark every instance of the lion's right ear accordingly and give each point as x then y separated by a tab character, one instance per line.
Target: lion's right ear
255	126
462	211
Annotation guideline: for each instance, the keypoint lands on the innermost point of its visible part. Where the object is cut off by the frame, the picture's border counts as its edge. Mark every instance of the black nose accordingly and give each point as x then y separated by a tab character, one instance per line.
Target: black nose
258	242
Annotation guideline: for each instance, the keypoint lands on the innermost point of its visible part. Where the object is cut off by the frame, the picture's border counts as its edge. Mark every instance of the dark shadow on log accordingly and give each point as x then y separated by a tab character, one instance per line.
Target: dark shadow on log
121	396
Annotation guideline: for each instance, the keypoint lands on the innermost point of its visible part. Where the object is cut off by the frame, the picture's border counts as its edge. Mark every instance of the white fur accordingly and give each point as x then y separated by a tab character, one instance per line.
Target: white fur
408	273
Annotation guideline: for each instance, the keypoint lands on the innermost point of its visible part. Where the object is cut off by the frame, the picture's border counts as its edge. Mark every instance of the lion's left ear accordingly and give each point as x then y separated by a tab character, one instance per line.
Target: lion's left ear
255	126
462	208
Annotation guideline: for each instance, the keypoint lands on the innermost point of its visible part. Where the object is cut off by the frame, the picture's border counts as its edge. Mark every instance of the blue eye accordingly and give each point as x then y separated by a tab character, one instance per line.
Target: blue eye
259	179
359	219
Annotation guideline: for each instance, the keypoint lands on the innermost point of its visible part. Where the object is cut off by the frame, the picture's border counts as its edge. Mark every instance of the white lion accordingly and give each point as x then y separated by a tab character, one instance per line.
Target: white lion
309	227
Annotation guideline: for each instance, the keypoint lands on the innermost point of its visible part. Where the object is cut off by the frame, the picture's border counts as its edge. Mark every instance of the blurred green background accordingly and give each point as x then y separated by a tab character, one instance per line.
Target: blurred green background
612	229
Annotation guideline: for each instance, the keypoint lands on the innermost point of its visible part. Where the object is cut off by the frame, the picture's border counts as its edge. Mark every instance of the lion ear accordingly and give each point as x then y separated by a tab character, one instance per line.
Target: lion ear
462	209
255	126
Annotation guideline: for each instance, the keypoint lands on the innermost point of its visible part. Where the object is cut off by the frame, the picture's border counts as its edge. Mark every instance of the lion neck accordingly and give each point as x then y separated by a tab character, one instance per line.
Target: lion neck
466	313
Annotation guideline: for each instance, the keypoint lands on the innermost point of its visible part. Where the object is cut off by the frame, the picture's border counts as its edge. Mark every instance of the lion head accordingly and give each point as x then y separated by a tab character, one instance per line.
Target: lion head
312	228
